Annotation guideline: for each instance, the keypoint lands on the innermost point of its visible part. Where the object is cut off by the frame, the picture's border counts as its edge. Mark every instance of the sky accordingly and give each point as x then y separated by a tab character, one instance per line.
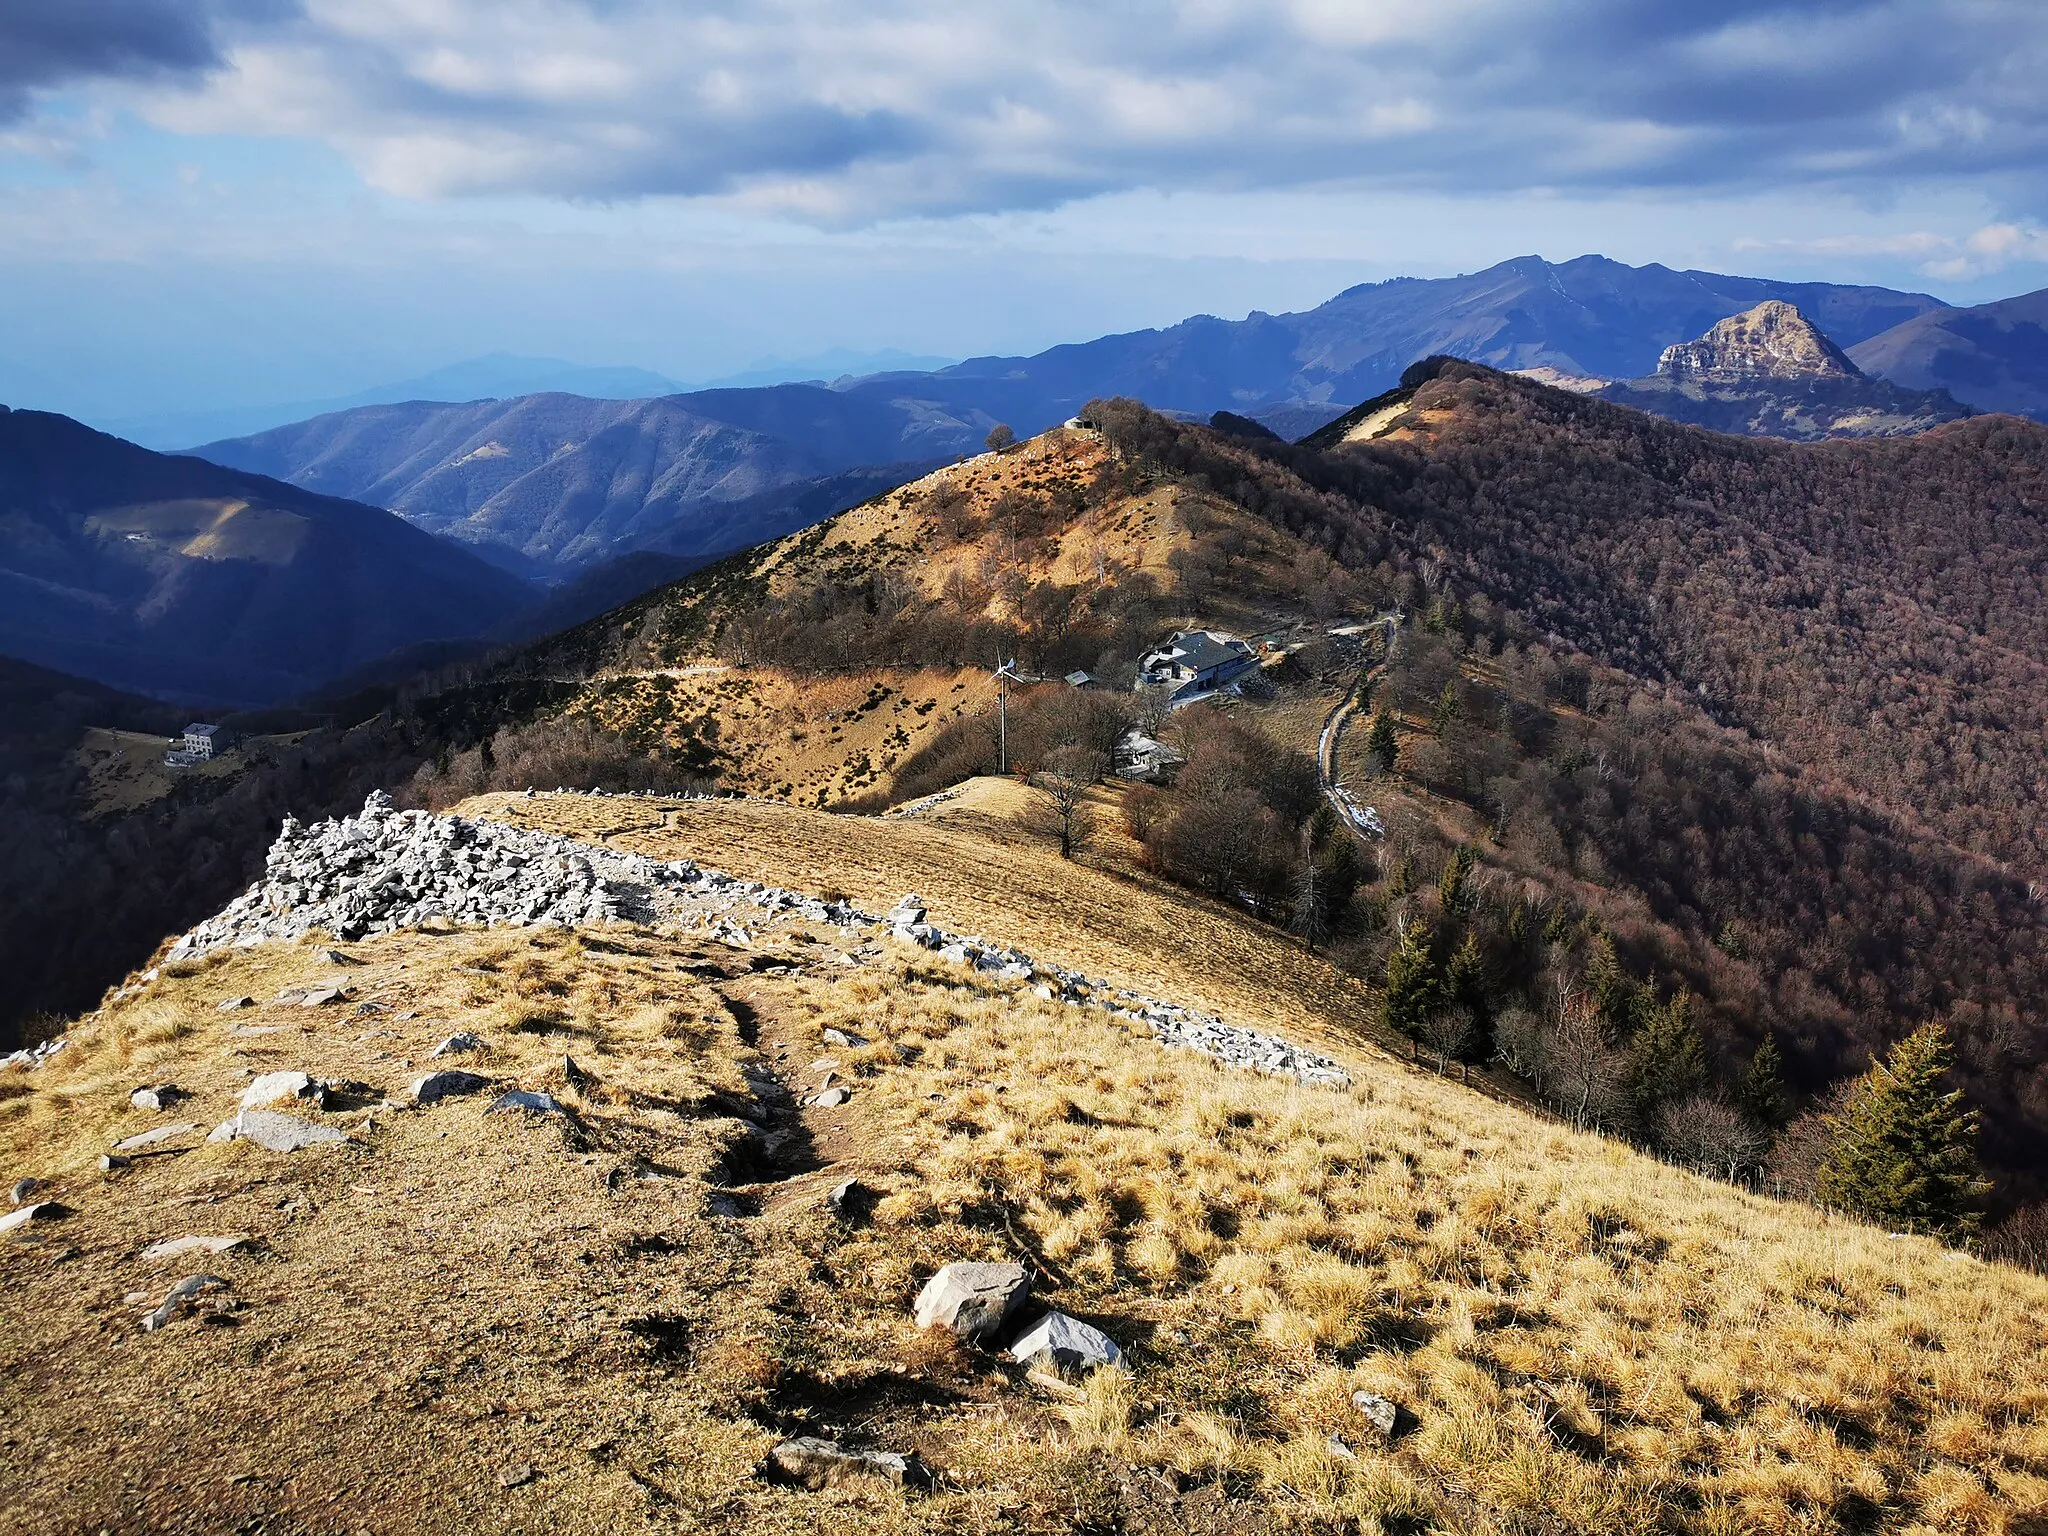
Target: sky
225	202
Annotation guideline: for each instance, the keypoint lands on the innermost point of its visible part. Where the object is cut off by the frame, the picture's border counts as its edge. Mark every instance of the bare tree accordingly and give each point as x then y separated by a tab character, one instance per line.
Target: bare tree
1000	437
1711	1138
1449	1033
1064	778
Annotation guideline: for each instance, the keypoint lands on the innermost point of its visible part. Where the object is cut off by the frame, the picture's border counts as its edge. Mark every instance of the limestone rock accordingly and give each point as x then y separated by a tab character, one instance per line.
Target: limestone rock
1378	1411
178	1247
845	1039
157	1137
276	1132
23	1188
976	1301
831	1098
284	1087
1066	1342
437	1086
112	1161
181	1293
230	1004
458	1044
161	1096
814	1463
42	1210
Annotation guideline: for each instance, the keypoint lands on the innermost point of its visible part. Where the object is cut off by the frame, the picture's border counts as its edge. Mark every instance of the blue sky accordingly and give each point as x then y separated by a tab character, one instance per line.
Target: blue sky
218	202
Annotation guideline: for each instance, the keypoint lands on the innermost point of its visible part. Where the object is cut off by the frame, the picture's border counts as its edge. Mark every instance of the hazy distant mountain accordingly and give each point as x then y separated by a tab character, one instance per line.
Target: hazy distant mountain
479	378
549	484
1994	356
1589	316
180	578
826	367
1770	372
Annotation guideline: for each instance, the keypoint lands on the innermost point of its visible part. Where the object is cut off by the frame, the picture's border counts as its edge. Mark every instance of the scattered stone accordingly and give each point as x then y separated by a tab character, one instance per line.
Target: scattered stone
336	957
850	1201
1066	1343
282	1087
23	1188
845	1039
1340	1450
178	1247
162	1096
831	1098
976	1301
230	1004
42	1210
276	1132
458	1044
436	1086
320	997
112	1161
181	1294
516	1475
815	1464
153	1138
225	1131
256	1031
525	1099
1379	1412
574	1075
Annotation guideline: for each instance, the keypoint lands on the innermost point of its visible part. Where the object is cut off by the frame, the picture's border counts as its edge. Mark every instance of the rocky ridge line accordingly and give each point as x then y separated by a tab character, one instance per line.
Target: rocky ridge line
387	869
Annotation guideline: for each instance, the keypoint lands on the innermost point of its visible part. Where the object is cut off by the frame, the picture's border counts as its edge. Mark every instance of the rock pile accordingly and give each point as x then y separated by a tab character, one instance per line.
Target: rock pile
388	869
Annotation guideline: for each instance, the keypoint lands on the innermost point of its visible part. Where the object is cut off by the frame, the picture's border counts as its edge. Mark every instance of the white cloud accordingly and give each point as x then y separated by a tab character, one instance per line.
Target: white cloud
836	112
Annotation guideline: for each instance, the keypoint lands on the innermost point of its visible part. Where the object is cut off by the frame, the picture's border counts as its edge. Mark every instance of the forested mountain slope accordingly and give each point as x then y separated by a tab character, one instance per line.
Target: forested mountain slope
1994	356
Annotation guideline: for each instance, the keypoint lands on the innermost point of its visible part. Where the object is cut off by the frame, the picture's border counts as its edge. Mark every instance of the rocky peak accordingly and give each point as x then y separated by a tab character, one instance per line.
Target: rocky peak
1772	341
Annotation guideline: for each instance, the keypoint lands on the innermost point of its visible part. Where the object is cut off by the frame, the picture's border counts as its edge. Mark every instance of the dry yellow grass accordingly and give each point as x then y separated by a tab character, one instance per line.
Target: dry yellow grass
1580	1339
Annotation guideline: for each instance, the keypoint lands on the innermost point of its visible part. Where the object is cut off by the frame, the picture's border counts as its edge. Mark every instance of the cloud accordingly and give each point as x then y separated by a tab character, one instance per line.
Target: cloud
46	44
1988	250
842	113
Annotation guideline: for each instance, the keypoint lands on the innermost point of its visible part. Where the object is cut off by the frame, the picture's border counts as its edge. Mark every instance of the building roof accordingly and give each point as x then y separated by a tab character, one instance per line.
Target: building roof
196	729
1200	651
1079	679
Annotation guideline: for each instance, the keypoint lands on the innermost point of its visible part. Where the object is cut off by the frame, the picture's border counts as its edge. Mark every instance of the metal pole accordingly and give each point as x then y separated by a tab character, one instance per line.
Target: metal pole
1002	721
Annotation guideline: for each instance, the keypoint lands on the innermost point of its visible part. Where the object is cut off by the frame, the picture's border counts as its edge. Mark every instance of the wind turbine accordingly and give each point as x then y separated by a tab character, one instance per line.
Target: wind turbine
1006	674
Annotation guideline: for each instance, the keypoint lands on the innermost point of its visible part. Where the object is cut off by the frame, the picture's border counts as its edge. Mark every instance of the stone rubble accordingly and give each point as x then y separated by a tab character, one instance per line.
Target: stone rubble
974	1301
816	1463
182	1294
386	869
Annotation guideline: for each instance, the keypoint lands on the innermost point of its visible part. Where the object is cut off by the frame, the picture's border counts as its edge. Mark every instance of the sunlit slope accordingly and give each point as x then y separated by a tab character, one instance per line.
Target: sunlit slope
460	1321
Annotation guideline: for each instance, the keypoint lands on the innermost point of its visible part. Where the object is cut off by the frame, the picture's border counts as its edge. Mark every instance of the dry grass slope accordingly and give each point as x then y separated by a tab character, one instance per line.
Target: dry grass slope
1580	1339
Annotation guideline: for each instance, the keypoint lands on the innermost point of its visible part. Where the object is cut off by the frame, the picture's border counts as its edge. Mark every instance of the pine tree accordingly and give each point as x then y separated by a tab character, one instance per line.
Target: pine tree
1415	988
1905	1150
1383	743
1761	1095
1667	1061
1311	914
1448	709
1454	886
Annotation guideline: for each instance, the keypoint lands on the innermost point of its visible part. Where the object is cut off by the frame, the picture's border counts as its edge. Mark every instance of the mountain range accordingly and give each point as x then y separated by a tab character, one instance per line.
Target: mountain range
550	483
181	578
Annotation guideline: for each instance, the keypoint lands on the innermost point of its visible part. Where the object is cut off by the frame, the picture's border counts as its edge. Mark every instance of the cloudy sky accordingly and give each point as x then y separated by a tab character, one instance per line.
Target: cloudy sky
208	202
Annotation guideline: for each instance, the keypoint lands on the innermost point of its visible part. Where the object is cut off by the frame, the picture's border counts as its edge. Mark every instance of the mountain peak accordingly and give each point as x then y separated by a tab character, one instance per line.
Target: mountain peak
1772	341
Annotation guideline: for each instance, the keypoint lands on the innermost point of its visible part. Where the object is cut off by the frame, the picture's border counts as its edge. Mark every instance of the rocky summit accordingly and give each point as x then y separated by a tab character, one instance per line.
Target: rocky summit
1771	372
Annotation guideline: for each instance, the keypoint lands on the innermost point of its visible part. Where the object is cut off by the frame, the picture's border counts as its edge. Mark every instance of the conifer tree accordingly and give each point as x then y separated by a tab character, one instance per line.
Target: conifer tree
1453	886
1667	1061
1448	709
1415	987
1383	743
1905	1148
1761	1096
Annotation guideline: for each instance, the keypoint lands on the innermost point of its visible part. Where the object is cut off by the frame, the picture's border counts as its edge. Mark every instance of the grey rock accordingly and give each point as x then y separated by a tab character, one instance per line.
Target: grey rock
525	1099
815	1463
178	1247
319	997
336	957
516	1475
284	1087
23	1188
225	1131
181	1293
1380	1413
111	1162
275	1132
831	1098
230	1004
42	1210
1067	1343
975	1301
437	1086
845	1039
458	1044
850	1201
157	1137
161	1096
